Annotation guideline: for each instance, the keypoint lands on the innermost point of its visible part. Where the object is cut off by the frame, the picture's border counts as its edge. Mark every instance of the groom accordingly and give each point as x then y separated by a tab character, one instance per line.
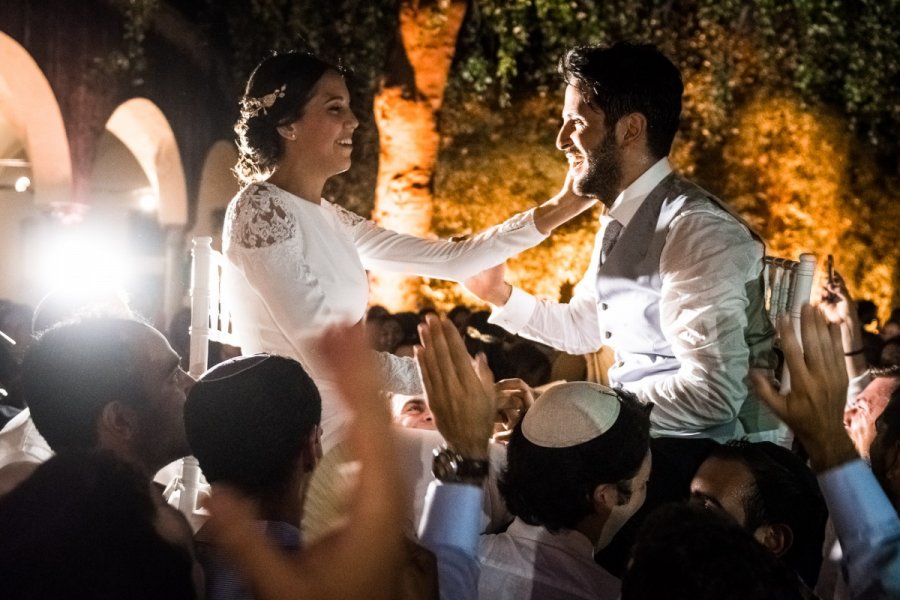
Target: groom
674	282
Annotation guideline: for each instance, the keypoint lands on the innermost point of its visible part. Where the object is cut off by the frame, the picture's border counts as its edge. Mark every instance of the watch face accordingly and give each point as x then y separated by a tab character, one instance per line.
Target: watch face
444	466
448	466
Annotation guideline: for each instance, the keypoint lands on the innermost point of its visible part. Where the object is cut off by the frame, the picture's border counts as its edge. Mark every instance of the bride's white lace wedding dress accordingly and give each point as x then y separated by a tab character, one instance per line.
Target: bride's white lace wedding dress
297	267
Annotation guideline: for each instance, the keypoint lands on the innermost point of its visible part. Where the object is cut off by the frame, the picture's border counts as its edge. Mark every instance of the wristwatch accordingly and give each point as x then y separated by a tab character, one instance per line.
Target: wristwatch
450	466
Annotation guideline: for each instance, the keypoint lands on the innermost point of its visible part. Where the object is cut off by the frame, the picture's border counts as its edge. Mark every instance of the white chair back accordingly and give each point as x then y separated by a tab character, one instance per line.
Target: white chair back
210	321
788	285
788	288
210	317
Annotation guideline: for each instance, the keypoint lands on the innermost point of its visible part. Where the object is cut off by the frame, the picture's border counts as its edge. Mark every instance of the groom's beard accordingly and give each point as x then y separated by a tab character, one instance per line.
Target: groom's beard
603	173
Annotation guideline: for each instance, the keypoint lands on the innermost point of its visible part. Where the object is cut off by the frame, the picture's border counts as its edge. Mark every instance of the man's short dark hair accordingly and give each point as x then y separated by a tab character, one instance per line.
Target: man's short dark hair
249	419
785	492
684	551
553	487
626	78
72	370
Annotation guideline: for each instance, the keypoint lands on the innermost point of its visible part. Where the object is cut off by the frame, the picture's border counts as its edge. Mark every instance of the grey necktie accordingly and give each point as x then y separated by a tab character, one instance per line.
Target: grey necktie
610	235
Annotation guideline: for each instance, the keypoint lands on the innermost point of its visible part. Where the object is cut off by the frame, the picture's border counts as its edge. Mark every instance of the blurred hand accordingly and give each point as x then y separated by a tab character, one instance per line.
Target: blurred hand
860	426
814	407
512	398
483	371
353	366
463	410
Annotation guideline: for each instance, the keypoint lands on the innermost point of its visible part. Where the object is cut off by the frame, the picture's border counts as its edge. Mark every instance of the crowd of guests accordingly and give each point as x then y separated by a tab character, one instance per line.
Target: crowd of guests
82	472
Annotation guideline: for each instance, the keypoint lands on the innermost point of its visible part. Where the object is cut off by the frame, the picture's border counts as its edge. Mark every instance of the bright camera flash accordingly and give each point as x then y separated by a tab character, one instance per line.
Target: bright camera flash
148	202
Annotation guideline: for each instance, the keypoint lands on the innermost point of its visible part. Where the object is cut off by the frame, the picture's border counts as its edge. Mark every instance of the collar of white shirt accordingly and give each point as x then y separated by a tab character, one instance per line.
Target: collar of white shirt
630	199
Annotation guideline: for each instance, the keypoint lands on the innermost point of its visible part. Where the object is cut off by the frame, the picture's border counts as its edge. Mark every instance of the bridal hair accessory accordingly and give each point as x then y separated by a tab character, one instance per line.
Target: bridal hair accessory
253	106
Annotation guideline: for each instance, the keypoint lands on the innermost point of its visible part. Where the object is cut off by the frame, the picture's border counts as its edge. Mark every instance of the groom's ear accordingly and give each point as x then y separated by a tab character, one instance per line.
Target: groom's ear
631	128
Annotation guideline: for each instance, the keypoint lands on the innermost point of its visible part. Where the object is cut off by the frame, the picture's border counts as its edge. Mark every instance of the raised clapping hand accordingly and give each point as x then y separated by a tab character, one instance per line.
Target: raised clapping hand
342	564
814	407
463	410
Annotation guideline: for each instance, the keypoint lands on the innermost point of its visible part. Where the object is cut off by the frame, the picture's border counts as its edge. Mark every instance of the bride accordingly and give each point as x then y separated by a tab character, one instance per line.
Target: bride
297	261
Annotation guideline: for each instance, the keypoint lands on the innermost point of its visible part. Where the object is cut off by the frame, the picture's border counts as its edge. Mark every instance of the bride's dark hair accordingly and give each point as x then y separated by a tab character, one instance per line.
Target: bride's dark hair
276	94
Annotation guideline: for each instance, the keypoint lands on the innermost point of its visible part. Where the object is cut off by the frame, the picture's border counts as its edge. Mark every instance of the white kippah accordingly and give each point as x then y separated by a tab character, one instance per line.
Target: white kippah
569	414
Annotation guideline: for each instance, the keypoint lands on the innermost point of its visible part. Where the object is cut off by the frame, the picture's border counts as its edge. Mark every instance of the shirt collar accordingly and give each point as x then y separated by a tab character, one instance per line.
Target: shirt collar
627	203
566	539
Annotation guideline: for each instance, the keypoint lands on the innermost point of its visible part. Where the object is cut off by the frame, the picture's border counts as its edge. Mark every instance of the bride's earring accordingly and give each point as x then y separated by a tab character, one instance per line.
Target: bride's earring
287	133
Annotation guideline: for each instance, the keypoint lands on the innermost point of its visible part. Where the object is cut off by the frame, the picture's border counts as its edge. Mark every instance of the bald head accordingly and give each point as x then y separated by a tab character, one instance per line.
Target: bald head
74	372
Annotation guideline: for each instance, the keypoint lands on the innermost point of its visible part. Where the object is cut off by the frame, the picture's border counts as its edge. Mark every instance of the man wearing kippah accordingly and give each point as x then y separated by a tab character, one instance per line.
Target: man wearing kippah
577	469
253	424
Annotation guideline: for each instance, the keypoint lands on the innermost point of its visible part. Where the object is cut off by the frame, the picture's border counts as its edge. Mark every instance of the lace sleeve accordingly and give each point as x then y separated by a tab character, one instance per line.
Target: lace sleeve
261	219
348	218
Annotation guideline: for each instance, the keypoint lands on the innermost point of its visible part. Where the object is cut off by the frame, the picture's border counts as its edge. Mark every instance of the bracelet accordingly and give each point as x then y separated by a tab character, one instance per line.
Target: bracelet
855	352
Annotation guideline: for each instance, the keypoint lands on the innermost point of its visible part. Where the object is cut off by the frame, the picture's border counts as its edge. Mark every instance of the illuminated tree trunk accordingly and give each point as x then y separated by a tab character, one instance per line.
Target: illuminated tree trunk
406	110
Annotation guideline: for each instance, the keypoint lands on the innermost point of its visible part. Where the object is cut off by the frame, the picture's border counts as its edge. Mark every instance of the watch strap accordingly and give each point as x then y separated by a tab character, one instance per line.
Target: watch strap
450	466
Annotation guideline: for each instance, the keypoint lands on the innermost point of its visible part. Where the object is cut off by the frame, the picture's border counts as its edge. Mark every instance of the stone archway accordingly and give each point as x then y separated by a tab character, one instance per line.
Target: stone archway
30	105
146	132
33	144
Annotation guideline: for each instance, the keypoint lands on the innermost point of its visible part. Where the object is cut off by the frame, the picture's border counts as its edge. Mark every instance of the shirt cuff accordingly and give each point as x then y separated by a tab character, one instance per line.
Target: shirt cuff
452	516
857	504
515	314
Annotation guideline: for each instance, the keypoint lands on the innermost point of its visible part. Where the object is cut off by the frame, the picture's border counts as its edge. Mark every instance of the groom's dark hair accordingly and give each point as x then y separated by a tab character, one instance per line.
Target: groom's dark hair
625	78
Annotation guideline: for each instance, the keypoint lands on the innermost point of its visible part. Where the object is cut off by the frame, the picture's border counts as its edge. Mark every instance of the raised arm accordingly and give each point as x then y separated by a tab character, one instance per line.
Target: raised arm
464	414
341	565
866	523
838	306
814	408
385	250
490	285
572	326
561	208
